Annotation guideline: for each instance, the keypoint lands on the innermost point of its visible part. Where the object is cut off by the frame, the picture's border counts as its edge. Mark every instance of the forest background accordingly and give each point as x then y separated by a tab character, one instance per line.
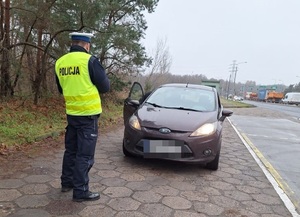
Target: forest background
35	33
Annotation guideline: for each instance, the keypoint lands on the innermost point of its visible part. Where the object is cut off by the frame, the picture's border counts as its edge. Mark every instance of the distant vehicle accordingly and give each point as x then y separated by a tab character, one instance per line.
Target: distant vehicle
262	95
177	122
292	98
275	97
247	95
253	96
238	98
270	96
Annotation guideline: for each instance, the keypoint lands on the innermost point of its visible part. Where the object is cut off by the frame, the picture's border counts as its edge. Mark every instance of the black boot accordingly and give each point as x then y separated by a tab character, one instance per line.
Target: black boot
89	196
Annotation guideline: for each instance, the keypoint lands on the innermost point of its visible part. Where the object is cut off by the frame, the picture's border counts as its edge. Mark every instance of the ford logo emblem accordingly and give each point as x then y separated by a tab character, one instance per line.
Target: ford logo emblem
164	130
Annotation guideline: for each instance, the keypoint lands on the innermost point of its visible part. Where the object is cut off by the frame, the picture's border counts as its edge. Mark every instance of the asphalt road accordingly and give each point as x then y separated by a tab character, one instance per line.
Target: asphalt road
290	110
277	139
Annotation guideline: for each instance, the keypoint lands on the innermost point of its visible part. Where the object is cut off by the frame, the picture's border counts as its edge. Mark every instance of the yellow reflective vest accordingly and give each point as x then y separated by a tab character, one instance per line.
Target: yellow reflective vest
81	95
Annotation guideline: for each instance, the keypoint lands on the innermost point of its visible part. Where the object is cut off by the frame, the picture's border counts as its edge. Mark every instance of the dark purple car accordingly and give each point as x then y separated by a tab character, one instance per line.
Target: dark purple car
178	122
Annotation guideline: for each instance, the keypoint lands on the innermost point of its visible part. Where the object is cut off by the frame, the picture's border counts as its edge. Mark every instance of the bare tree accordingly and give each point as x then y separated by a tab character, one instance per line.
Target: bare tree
160	66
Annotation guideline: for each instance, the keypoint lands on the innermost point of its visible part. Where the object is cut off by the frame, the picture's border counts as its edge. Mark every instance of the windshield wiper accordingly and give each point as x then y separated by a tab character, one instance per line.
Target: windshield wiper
155	105
179	108
186	109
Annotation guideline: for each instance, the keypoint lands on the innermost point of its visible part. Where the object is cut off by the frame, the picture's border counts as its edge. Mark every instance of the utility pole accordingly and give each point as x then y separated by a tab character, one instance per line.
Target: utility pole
228	85
232	76
234	72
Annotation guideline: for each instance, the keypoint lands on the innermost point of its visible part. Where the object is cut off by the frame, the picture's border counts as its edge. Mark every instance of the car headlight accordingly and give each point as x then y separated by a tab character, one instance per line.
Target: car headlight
134	122
205	130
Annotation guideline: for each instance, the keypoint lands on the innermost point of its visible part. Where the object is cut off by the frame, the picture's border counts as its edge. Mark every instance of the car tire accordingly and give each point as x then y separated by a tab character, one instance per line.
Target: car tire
125	152
213	165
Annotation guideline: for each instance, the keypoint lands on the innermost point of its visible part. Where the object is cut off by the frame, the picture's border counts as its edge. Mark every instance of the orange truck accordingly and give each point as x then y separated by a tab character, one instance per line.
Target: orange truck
273	96
253	96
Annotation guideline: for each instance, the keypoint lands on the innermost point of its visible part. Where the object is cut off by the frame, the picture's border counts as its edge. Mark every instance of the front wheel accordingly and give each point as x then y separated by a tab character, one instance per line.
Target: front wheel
213	165
125	152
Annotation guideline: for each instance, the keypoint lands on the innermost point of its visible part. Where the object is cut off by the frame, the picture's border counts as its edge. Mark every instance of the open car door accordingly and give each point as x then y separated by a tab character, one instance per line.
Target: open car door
132	102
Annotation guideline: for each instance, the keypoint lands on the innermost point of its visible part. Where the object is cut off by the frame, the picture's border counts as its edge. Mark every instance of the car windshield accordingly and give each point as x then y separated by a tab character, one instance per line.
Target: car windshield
183	98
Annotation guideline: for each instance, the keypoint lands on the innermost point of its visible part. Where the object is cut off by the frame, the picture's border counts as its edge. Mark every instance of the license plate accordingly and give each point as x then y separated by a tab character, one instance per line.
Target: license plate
162	148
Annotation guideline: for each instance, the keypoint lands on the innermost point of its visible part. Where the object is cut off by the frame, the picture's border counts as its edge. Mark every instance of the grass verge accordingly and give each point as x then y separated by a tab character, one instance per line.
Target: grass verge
235	104
22	124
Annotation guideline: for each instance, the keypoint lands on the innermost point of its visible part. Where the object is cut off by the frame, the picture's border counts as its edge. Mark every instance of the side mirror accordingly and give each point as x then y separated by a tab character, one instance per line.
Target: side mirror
225	113
133	102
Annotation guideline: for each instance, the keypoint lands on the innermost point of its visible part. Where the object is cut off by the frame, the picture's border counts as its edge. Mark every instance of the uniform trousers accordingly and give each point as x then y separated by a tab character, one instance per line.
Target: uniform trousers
80	143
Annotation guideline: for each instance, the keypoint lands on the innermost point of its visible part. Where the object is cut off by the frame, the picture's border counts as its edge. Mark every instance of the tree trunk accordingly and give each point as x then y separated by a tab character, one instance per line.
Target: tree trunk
39	75
5	78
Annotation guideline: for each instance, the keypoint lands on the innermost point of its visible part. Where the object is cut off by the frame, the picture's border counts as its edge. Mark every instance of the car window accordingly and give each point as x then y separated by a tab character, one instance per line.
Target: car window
136	92
189	98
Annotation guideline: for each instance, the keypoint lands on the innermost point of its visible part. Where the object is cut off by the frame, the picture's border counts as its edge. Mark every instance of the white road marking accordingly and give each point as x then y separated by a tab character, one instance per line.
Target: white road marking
286	200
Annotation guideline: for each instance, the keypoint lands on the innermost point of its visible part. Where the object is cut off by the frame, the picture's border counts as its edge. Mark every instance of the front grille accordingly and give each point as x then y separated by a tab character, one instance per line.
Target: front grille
157	130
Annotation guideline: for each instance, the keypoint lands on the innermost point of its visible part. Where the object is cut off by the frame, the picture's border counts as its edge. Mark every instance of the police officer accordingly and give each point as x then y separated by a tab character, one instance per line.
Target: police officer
81	79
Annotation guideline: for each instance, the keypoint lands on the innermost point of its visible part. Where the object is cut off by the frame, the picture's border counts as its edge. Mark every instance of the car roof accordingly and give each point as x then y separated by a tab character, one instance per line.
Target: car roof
187	85
293	93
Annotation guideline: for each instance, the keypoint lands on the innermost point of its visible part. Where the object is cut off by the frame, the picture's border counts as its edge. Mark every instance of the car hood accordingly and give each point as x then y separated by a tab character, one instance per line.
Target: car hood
174	119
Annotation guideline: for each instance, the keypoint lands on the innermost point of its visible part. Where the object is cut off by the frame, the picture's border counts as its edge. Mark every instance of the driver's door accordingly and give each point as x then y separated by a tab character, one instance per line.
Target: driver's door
132	102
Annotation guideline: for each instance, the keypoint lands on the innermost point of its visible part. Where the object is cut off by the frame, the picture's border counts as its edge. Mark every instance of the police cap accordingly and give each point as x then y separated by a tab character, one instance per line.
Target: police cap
81	36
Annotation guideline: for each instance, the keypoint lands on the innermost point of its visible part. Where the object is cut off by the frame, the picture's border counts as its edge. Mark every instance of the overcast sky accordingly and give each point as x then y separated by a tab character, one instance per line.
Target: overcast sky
205	36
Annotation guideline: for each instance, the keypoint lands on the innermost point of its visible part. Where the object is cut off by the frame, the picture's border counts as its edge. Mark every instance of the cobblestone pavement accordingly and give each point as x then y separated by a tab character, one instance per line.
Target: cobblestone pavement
137	187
